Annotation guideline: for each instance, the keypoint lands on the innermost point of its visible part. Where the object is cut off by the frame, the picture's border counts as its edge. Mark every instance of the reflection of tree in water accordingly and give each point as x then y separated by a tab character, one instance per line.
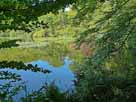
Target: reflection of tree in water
9	89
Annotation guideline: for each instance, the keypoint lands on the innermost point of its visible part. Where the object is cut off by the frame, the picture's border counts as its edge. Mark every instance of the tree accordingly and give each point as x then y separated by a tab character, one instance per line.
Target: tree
111	28
15	14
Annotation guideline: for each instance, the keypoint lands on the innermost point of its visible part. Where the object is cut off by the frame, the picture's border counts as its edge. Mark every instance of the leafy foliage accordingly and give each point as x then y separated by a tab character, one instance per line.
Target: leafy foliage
15	14
108	28
8	44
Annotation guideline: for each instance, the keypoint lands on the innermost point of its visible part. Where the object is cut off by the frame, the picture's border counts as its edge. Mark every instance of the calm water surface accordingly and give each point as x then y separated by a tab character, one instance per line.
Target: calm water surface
61	76
51	58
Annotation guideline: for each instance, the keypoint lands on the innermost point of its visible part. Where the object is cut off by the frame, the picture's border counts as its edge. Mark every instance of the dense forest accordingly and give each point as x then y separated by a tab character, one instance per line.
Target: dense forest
98	36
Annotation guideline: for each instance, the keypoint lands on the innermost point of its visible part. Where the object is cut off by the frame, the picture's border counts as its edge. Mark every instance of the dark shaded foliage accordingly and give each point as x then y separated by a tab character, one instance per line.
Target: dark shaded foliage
9	44
114	37
21	66
21	12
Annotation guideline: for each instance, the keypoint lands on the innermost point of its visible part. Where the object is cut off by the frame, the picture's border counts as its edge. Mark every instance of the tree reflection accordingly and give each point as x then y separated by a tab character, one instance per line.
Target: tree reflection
9	89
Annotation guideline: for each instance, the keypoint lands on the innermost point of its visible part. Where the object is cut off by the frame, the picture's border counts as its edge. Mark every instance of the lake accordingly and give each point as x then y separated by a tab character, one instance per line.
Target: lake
54	56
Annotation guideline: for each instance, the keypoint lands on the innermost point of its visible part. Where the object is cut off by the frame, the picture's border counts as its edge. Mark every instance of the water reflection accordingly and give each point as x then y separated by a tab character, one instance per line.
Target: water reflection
61	76
52	57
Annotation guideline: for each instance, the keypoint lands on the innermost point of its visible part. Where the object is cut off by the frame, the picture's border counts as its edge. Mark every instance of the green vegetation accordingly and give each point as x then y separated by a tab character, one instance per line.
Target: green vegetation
104	30
54	53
